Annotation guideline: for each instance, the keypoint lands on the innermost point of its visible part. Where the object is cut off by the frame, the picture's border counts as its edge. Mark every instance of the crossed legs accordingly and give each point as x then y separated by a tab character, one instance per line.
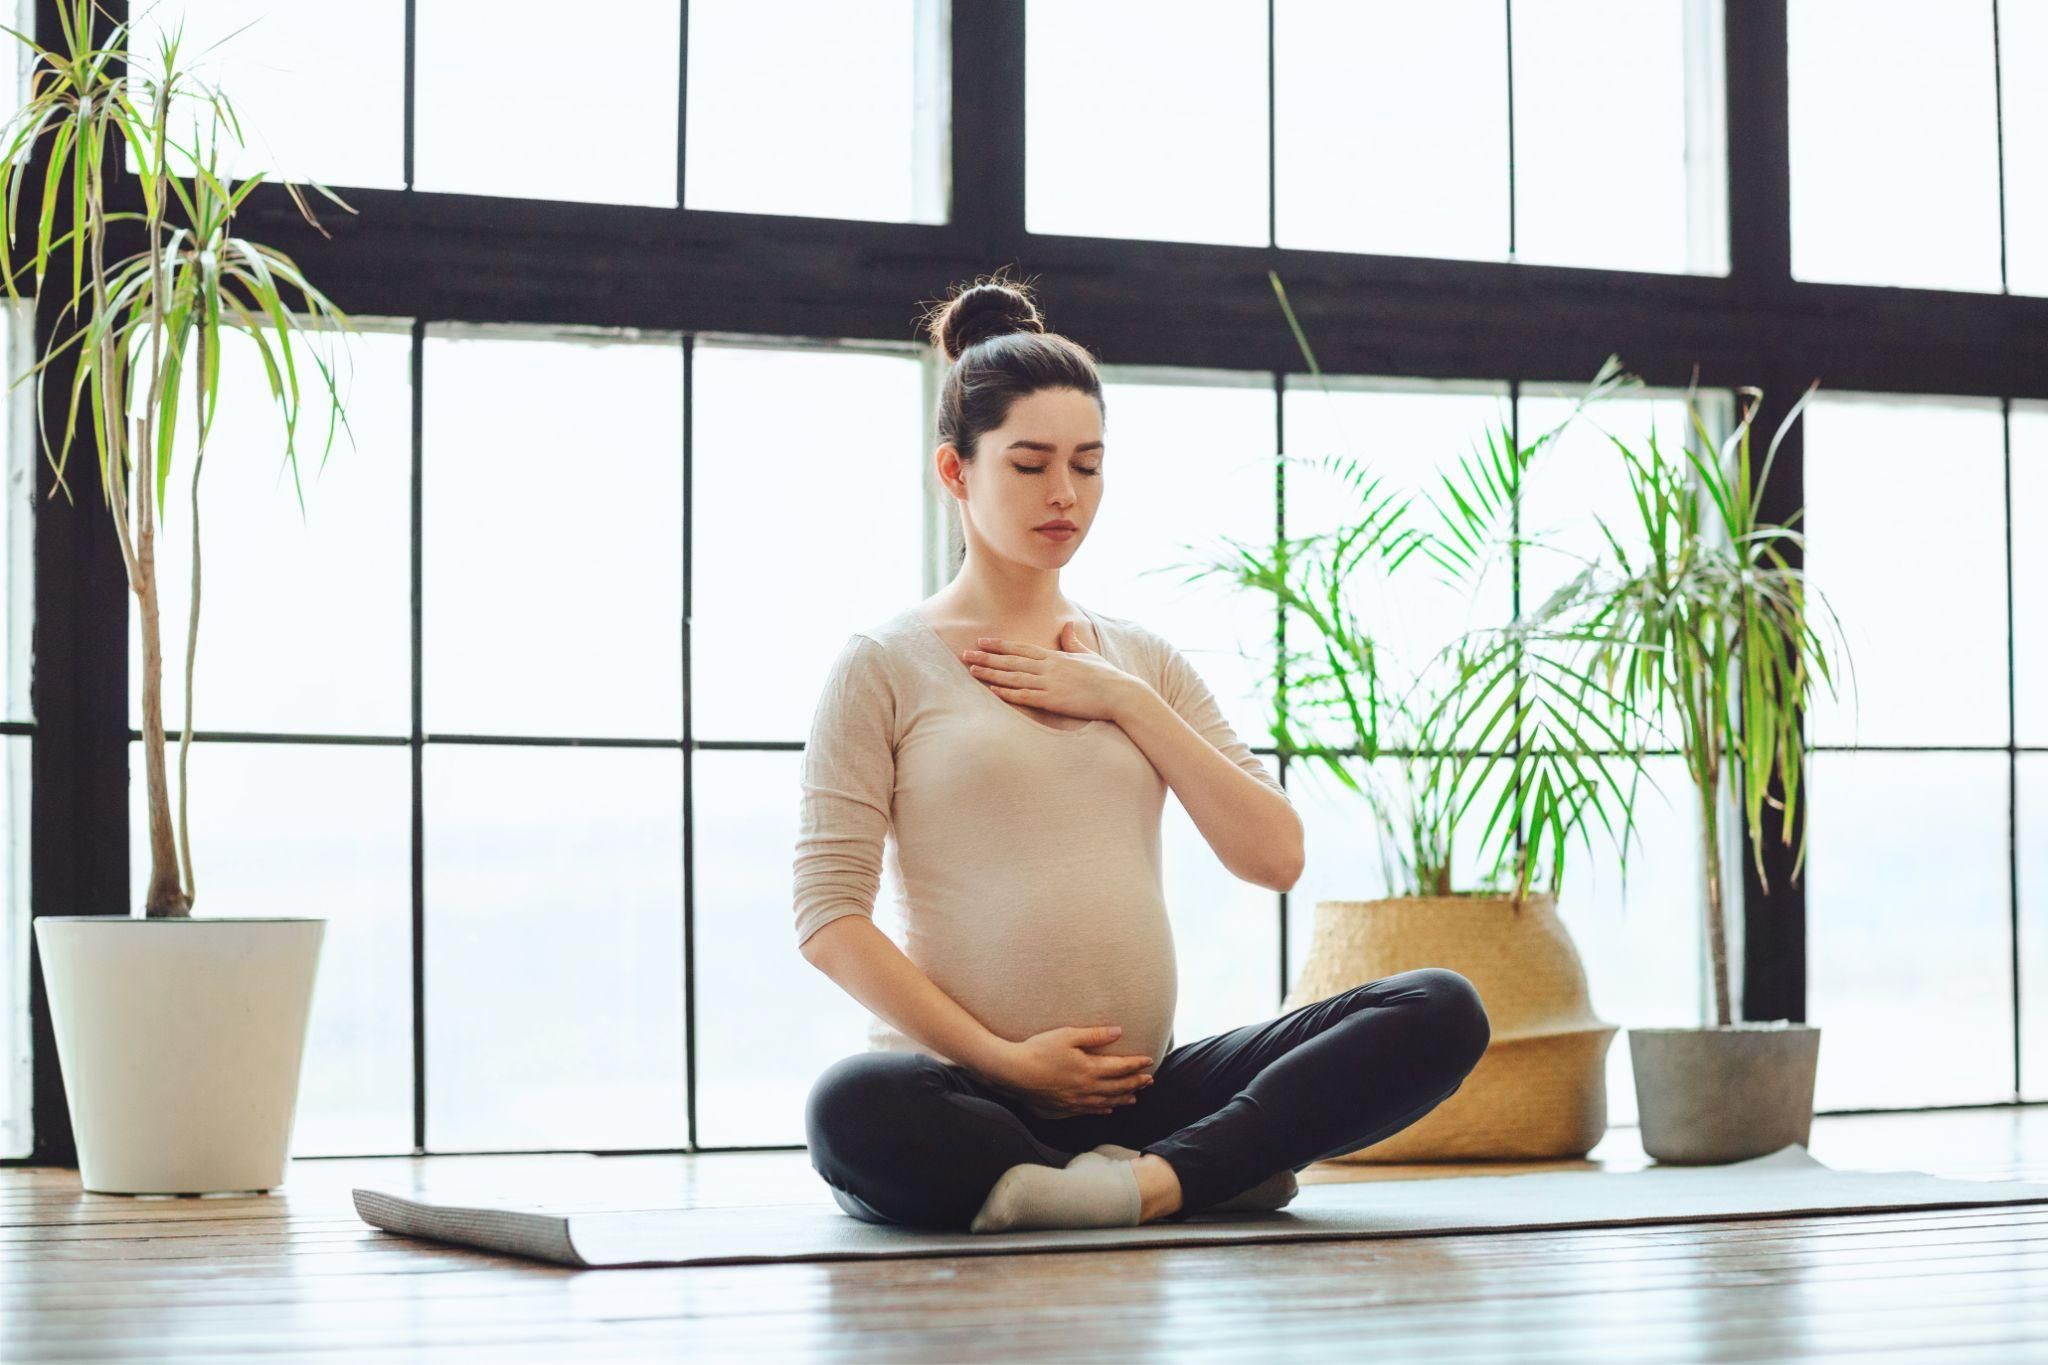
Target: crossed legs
905	1138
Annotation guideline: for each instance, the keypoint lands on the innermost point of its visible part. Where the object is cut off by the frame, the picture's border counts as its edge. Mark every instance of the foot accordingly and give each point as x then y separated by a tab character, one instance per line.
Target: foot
1276	1191
1094	1194
1158	1184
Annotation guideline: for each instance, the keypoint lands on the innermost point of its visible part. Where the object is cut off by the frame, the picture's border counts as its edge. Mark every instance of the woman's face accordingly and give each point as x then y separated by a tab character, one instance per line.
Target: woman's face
1044	464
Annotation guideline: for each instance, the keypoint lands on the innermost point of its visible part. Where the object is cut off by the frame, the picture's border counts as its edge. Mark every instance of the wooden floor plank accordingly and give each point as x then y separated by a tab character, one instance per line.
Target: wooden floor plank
295	1275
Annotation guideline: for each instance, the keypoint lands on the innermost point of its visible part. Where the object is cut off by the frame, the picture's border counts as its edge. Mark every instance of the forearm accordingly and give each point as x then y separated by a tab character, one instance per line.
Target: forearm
1254	830
867	964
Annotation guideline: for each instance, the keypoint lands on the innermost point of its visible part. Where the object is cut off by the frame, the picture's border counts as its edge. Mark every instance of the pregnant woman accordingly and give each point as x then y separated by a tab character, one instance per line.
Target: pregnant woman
1008	751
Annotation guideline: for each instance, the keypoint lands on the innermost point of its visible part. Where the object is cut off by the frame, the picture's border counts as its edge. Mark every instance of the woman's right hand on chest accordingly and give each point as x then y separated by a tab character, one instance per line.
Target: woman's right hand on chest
1054	1071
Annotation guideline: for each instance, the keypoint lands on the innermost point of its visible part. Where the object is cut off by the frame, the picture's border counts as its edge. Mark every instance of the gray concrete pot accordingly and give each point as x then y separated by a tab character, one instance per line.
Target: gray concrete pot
1713	1095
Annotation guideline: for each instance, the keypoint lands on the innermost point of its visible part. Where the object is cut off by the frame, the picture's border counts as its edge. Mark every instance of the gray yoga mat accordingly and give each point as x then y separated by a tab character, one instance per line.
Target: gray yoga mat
1787	1183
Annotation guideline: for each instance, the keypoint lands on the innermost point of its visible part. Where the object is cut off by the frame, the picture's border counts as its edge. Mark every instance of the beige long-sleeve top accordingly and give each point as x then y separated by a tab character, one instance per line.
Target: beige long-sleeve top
1024	859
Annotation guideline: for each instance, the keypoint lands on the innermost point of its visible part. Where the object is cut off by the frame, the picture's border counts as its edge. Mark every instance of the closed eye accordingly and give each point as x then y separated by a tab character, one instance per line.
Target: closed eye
1040	469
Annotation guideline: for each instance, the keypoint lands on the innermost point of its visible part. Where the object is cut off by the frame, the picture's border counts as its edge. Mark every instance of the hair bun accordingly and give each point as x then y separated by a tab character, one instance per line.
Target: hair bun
989	308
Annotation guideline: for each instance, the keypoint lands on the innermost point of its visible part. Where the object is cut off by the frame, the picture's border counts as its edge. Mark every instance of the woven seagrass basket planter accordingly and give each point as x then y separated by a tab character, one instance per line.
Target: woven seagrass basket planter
1540	1092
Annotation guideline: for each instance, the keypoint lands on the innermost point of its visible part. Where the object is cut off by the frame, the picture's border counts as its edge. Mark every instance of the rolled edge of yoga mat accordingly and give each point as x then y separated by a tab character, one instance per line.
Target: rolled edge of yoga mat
516	1231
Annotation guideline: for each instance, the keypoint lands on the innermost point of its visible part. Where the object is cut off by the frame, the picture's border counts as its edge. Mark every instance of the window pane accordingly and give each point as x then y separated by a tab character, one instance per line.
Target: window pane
305	618
1908	929
1644	942
552	548
25	472
21	16
769	1022
17	1137
1407	434
1392	138
1146	119
321	830
1579	480
504	107
1894	143
318	89
2023	55
554	948
1926	632
17	599
1644	190
848	454
1187	463
857	127
2033	878
2030	570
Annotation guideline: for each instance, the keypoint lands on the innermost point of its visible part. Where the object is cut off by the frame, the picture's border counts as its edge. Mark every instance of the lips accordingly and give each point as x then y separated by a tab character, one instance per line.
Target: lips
1057	526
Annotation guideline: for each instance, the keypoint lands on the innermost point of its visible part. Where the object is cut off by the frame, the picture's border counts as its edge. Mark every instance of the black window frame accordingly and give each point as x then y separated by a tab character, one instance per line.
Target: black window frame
433	258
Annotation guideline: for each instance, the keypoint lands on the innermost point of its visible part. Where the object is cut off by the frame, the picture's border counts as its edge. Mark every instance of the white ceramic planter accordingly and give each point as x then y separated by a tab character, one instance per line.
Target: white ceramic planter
1712	1095
181	1041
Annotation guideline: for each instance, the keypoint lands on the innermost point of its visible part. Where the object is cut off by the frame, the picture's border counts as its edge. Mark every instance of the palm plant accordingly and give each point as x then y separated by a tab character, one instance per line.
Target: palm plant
1461	532
1706	626
142	325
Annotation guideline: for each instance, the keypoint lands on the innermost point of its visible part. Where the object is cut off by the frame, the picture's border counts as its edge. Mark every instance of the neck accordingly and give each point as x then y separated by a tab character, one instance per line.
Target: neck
1009	592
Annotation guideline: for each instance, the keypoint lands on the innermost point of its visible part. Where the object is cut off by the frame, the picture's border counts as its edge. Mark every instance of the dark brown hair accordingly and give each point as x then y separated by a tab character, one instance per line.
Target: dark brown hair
999	351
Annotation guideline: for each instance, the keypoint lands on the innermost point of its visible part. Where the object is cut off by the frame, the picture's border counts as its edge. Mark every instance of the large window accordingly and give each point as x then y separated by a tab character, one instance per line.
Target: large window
807	523
553	847
1912	949
1465	129
2023	131
288	69
19	464
1917	140
513	690
849	123
1642	939
304	635
2028	427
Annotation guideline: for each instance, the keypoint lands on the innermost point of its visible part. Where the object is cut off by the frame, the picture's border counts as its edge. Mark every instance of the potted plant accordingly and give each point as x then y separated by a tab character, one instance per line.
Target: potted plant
1711	627
1540	1091
180	1039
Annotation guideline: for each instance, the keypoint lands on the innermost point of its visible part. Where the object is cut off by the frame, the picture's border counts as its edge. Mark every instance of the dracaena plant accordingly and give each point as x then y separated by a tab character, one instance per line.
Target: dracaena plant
1553	718
149	277
1704	627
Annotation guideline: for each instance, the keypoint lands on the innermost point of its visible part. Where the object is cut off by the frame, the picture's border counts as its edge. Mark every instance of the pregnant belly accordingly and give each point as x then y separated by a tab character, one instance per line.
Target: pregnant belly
1110	969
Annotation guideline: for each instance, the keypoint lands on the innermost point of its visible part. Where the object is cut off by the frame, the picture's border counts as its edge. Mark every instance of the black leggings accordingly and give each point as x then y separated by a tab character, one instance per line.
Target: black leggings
902	1137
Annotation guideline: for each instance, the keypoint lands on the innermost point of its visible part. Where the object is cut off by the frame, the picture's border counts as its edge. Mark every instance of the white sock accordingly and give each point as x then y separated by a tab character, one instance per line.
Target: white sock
1093	1194
1276	1191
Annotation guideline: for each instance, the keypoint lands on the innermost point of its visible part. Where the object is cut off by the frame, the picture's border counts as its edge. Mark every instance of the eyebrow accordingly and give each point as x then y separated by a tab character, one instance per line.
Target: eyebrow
1049	447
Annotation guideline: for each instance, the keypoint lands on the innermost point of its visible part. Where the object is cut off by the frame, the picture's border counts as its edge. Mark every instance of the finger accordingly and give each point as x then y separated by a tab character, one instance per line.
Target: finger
1003	676
1017	647
1121	1066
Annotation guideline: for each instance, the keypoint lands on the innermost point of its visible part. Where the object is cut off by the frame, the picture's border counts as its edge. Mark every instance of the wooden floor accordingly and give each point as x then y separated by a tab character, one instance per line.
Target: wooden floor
296	1275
